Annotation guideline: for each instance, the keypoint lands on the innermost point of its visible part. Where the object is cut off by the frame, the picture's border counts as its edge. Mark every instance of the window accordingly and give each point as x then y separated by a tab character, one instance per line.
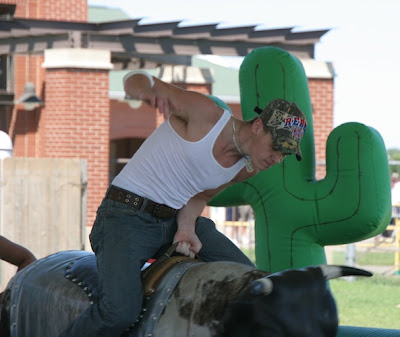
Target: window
6	95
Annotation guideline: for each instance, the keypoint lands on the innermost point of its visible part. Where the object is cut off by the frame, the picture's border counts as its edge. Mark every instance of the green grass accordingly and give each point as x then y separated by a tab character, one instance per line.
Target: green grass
339	257
365	259
368	302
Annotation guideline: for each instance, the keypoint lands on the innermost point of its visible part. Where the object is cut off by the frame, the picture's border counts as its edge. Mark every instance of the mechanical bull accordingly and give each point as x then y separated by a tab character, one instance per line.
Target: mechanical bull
193	298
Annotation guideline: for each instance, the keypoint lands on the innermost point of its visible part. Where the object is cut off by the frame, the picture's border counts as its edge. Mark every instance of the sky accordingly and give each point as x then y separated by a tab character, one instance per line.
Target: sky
363	44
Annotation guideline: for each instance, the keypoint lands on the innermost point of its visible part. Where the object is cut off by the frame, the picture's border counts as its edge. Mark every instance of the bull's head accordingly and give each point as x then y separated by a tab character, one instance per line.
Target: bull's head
291	303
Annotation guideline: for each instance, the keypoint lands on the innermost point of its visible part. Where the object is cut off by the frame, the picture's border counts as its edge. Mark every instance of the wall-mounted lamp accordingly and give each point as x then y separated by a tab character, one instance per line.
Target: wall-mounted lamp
29	98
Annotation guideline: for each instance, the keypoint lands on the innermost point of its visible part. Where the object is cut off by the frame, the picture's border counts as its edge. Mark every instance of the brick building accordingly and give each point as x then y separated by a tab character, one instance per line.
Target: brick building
77	67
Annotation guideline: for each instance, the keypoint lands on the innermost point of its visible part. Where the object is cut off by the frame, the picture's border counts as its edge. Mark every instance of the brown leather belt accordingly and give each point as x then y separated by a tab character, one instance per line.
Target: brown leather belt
160	211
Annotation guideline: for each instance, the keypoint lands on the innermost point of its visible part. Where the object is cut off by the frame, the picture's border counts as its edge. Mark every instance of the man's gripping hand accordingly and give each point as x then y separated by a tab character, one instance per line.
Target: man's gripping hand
188	243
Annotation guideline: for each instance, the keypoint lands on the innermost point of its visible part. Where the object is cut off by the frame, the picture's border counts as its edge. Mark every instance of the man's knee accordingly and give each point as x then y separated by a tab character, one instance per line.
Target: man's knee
203	223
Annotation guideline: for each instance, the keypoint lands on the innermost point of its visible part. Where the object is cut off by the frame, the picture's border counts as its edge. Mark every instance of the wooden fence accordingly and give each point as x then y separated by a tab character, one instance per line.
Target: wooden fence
42	206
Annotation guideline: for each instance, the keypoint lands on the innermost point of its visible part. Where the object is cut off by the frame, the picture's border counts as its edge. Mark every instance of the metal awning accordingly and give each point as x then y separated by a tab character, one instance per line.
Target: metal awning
158	43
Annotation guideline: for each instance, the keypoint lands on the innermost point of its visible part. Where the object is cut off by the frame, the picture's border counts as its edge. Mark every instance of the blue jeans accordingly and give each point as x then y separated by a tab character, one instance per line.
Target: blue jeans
123	239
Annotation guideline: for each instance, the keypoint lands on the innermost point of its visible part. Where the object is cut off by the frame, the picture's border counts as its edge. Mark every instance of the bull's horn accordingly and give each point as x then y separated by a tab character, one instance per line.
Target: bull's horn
262	286
331	272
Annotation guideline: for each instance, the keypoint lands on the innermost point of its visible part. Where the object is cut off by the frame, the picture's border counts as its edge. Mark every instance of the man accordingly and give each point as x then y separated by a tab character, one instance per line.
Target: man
158	197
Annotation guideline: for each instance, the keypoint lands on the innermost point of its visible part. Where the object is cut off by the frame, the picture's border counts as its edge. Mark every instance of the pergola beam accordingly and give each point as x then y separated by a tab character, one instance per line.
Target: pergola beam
159	39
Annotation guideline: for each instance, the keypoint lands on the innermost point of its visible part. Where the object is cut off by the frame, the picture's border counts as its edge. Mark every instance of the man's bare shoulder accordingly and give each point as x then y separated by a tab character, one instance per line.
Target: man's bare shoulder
199	119
204	110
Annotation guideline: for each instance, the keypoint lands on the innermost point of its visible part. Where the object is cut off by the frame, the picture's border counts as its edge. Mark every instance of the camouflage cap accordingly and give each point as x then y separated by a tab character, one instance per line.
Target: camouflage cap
287	124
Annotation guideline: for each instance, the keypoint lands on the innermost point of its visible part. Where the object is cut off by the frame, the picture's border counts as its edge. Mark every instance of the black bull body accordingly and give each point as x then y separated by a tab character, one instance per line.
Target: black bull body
193	299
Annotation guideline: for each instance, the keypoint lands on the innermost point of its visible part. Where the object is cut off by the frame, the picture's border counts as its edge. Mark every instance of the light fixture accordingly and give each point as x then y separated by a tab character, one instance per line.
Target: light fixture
29	98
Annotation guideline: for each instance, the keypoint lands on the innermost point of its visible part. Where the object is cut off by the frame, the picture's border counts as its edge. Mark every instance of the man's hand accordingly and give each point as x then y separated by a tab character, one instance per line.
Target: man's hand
142	86
159	102
188	243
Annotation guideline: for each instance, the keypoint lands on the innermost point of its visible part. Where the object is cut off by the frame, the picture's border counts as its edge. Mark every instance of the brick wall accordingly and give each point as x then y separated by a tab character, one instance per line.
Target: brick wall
76	124
25	124
63	10
322	99
75	121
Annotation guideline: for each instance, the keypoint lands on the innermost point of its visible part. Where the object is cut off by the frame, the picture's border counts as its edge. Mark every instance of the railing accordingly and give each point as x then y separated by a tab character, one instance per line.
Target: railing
387	243
380	253
241	233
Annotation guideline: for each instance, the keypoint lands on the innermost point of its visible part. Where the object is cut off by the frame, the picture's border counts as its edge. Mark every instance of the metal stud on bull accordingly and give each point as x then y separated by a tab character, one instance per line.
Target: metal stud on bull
264	286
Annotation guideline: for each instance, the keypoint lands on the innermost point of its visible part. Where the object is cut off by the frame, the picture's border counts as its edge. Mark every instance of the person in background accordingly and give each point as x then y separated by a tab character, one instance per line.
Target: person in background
158	197
15	254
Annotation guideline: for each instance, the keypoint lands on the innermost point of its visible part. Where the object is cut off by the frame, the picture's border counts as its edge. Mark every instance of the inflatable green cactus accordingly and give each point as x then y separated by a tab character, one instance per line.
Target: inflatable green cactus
295	215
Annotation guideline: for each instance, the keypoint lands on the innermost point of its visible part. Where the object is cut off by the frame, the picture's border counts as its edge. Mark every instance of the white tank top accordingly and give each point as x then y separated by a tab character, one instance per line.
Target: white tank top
170	170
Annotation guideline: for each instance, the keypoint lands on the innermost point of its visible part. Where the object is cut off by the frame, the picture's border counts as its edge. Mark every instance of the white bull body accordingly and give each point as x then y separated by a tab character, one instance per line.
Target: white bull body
198	303
42	302
214	299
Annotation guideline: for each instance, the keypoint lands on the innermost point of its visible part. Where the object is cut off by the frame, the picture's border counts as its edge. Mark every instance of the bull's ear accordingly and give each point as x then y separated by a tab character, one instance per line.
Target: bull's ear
262	286
330	272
